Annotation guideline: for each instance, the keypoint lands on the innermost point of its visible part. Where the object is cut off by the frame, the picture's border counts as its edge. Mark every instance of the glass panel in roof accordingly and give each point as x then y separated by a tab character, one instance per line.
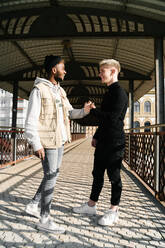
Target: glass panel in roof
104	23
86	23
96	23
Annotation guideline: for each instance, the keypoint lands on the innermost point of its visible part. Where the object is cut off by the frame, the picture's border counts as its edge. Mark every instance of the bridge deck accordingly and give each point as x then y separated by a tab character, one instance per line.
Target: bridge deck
141	223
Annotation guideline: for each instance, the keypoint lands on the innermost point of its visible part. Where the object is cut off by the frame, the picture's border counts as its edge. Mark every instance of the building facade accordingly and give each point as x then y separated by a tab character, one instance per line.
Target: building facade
144	111
6	102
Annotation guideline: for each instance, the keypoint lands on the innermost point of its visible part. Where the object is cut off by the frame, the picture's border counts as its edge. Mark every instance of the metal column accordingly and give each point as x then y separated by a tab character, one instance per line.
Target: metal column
14	119
131	116
159	87
159	76
131	104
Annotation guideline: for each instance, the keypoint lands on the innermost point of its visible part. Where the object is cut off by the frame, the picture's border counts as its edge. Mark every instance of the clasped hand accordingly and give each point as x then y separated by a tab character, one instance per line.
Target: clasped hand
88	106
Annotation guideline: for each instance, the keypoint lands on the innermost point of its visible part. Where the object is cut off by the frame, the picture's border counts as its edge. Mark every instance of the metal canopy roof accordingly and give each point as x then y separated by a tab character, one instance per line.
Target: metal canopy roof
154	9
83	32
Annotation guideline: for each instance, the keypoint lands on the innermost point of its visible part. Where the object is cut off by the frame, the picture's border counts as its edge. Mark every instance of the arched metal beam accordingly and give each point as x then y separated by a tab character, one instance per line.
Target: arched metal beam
29	74
81	22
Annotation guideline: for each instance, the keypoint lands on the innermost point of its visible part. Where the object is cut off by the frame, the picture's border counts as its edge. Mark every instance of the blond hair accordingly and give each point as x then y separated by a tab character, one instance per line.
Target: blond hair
111	62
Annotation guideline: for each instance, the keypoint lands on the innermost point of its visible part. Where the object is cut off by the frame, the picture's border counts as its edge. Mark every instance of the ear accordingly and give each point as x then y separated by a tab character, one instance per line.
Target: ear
113	70
54	70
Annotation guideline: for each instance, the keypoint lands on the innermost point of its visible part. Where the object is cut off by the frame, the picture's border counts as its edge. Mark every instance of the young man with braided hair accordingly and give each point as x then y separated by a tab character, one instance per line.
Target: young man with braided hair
47	128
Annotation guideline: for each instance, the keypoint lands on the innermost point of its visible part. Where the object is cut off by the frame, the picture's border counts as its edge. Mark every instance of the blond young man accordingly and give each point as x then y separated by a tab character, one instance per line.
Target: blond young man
109	141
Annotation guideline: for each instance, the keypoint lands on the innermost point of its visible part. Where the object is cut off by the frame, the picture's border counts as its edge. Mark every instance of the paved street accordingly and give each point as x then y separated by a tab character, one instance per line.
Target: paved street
141	223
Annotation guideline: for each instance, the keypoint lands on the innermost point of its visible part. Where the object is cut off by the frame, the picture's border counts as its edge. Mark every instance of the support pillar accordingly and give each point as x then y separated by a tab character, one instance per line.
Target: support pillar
159	101
131	116
131	104
159	81
14	119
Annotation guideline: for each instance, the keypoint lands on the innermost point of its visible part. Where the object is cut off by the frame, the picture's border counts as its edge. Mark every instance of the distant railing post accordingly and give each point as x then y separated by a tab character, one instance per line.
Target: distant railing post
129	149
14	146
157	163
143	156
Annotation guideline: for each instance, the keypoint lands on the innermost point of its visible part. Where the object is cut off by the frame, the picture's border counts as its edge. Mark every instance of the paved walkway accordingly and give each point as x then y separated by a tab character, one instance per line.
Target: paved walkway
142	219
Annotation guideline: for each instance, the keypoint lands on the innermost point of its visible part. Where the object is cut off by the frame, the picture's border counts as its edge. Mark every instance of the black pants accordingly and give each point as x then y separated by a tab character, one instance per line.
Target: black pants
109	159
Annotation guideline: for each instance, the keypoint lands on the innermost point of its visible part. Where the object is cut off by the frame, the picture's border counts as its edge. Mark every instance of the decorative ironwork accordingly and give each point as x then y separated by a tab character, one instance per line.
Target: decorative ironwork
126	154
5	147
21	149
143	158
13	144
162	166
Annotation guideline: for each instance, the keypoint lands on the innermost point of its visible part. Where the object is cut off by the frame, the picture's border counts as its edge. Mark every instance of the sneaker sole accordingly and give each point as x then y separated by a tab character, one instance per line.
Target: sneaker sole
109	224
49	230
84	213
32	214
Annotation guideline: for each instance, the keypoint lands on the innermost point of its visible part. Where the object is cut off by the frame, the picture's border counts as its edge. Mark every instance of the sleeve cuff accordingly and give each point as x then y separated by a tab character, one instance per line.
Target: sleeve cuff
37	147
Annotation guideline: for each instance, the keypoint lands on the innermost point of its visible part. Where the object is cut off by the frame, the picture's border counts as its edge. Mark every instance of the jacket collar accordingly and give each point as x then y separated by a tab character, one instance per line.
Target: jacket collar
114	85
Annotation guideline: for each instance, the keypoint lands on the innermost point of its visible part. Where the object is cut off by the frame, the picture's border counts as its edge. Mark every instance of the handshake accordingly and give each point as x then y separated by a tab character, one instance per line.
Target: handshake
88	106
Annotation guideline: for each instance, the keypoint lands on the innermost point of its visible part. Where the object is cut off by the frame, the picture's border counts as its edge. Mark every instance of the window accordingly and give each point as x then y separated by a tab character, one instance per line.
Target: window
2	102
136	124
147	123
19	110
147	107
137	107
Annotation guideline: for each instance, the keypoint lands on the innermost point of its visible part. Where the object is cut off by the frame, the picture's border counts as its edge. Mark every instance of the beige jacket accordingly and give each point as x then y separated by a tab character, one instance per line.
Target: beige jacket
43	117
48	125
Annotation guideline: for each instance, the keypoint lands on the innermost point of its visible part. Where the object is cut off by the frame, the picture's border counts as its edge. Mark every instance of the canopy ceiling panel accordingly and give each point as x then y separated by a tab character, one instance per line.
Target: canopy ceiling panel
83	33
133	55
38	49
11	58
139	53
92	50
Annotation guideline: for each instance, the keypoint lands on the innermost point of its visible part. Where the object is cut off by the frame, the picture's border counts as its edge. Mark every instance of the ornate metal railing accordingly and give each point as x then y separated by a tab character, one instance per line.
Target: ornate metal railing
13	146
145	154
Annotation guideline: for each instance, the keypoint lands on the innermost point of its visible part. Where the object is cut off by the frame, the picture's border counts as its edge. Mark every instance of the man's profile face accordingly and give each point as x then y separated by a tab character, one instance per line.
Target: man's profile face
60	71
106	73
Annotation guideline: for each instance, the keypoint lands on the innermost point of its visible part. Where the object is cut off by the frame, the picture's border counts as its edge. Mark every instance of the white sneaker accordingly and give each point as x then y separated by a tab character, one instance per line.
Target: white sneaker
109	218
47	225
85	209
33	209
